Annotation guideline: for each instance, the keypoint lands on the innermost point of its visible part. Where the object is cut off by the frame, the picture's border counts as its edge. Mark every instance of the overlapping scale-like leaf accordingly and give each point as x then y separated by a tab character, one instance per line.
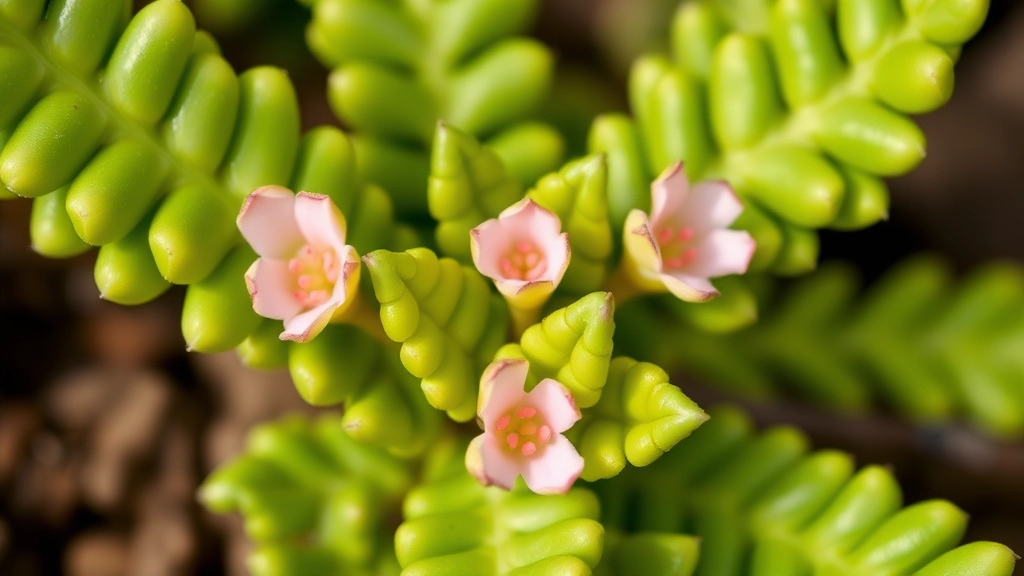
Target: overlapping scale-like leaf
640	417
578	194
314	501
453	525
383	404
929	349
802	116
649	553
398	68
152	163
446	318
572	345
761	504
468	185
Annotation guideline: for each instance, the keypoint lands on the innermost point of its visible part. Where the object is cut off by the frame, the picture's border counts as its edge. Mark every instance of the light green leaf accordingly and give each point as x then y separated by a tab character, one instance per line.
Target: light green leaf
649	553
152	162
468	184
762	505
800	104
454	525
640	416
578	194
313	500
446	318
574	346
398	68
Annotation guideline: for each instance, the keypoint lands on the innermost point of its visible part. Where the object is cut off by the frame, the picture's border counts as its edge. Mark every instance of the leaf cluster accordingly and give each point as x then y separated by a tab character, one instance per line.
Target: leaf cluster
729	501
932	348
762	504
802	115
314	500
399	67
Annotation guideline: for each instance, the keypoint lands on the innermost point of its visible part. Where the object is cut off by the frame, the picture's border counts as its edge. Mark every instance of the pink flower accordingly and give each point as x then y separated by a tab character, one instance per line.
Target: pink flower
306	273
685	241
523	432
524	251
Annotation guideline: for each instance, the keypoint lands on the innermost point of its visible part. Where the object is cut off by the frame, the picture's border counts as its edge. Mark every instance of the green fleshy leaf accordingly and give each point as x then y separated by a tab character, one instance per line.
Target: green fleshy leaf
574	346
314	500
397	69
916	342
454	525
263	349
152	162
981	557
383	406
744	15
734	309
529	151
578	194
314	365
640	416
762	504
799	104
649	553
468	185
446	318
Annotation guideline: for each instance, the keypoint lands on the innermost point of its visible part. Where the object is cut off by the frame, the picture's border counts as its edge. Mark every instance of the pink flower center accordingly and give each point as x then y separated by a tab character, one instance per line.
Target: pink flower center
524	262
523	431
676	251
315	271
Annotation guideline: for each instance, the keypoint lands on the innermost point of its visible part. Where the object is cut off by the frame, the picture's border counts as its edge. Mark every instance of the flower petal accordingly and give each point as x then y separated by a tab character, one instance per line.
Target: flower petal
524	221
320	221
558	252
528	220
689	288
721	253
348	280
502	386
640	246
669	194
712	204
489	243
304	326
475	459
499	467
556	403
267	222
270	288
555	470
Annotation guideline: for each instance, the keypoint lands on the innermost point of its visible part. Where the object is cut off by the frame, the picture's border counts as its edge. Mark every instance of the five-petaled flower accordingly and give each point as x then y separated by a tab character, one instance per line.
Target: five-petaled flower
524	251
685	241
523	431
306	274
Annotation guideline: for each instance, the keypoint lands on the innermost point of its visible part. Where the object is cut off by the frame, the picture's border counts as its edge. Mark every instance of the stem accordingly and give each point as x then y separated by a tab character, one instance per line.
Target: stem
367	318
522	318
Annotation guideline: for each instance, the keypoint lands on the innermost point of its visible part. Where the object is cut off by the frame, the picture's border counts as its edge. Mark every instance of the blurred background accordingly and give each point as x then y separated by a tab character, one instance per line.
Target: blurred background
107	425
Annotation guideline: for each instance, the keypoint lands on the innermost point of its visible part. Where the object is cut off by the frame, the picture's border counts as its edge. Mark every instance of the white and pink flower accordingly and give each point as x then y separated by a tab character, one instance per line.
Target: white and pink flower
686	241
524	251
523	432
306	273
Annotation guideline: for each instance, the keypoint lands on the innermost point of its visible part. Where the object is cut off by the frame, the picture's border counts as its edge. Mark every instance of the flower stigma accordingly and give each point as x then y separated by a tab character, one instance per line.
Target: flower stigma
523	430
315	271
676	251
524	262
